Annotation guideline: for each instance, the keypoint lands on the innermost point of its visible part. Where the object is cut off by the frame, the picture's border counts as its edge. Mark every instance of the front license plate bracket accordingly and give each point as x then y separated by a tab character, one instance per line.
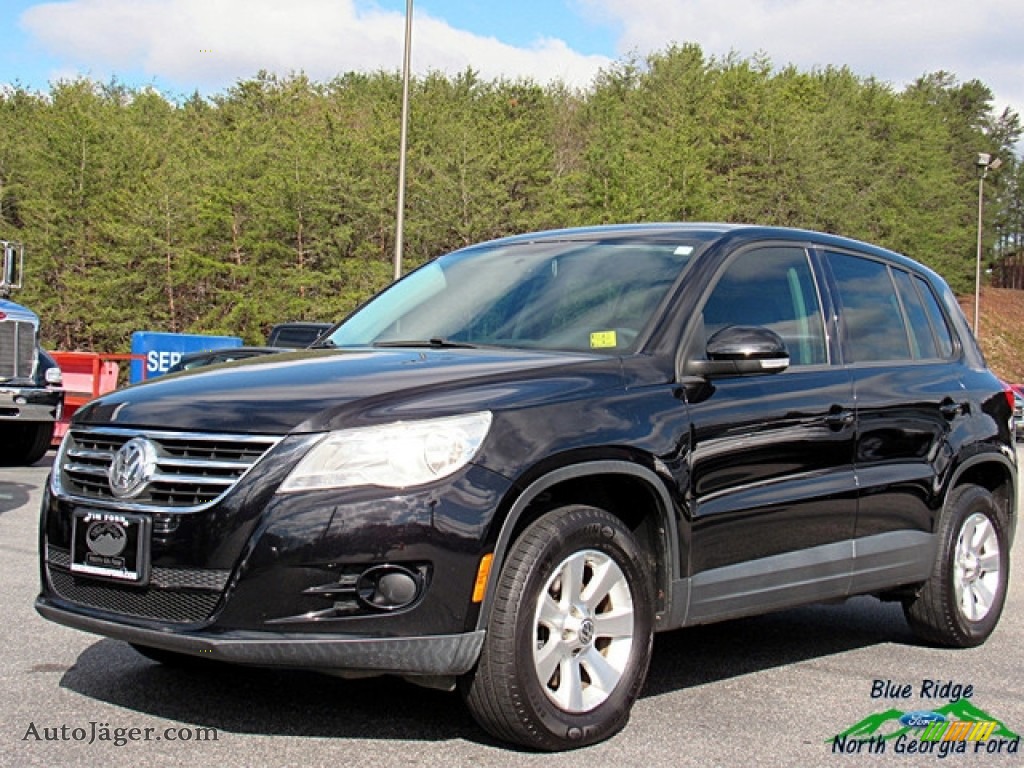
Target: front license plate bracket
110	545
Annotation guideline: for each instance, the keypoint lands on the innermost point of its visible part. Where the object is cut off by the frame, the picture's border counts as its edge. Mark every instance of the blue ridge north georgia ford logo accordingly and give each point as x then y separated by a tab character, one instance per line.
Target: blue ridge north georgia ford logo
133	467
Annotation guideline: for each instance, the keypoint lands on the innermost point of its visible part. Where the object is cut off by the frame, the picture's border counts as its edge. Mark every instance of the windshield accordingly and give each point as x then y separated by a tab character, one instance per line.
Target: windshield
576	296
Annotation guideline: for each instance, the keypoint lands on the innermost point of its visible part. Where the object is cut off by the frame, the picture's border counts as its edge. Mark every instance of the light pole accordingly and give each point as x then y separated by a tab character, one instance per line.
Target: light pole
400	216
984	163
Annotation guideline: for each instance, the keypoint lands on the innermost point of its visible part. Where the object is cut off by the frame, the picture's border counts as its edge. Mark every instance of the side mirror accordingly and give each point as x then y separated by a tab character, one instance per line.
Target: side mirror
739	350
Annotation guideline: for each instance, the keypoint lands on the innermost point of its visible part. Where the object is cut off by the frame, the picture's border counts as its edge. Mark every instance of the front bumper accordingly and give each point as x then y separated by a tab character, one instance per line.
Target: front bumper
289	580
429	655
30	403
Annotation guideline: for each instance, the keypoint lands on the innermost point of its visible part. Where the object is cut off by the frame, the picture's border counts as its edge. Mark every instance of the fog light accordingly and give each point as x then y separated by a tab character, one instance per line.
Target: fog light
389	587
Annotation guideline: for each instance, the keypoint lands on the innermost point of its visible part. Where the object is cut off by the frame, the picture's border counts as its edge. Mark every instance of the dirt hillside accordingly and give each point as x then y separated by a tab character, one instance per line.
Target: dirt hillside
1001	330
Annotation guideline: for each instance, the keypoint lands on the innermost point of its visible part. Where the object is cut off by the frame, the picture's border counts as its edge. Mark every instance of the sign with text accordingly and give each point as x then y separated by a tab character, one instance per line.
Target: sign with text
162	350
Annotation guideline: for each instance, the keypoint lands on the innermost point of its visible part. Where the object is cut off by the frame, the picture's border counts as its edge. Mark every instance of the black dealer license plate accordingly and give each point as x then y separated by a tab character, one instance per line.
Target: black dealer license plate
110	545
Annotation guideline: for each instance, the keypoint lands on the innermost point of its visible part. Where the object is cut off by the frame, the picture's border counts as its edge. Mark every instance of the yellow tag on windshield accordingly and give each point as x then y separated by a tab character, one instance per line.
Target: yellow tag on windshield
602	339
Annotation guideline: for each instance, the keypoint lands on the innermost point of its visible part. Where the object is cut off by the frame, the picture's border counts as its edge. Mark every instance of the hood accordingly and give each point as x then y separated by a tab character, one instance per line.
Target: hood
12	311
315	390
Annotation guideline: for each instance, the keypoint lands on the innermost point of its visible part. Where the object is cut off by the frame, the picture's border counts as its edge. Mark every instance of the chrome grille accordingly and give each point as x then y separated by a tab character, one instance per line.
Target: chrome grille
17	349
193	469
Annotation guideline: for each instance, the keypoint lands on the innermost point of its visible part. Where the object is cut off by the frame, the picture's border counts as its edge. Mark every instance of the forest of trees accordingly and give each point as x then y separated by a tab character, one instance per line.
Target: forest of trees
276	200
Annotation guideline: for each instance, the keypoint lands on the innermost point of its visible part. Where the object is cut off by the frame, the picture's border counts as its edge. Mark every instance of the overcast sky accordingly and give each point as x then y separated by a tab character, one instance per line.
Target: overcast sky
207	45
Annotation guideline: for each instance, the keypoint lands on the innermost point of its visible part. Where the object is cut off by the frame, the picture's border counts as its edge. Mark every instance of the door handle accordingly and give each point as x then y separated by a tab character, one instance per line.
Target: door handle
839	417
951	410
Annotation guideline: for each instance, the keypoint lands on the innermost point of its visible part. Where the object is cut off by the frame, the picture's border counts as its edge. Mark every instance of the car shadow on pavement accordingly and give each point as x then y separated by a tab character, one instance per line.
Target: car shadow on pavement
13	495
714	652
248	700
235	699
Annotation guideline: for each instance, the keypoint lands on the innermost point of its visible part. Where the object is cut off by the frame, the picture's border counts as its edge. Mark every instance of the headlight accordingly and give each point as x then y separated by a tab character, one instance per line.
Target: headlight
398	455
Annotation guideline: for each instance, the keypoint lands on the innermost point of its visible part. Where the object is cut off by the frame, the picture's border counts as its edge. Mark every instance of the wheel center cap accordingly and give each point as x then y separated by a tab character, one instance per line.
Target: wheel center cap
971	567
586	632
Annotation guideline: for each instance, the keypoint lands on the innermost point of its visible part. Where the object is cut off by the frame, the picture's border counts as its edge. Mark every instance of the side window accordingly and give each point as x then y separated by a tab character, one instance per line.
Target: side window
922	341
774	288
940	327
870	310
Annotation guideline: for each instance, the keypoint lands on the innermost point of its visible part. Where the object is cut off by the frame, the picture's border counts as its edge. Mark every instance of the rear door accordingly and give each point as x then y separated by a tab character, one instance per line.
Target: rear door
897	345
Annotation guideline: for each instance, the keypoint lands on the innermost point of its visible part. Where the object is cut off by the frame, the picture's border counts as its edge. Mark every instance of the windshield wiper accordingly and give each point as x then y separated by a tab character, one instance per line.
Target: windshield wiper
434	343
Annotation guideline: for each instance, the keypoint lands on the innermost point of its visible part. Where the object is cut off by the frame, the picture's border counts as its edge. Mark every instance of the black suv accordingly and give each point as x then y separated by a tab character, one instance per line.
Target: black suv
512	467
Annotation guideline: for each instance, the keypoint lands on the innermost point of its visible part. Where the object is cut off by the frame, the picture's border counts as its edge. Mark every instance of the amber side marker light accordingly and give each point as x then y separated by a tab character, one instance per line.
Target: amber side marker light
482	573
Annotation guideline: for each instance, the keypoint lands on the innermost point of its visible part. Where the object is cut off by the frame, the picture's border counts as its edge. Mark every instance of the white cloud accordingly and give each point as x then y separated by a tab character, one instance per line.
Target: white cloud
211	43
893	40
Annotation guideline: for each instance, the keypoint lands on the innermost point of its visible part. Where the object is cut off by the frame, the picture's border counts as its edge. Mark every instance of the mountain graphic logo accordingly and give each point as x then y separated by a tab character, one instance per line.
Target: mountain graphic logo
887	726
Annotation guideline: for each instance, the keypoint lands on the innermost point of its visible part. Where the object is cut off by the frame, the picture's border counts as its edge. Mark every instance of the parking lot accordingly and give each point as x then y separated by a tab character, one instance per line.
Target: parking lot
766	691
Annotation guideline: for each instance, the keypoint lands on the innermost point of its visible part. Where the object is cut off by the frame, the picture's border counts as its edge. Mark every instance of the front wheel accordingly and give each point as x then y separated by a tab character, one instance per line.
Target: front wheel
961	602
569	635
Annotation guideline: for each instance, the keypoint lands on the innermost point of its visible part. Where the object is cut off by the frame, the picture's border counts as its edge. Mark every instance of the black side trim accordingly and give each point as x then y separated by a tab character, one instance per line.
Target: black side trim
773	582
892	560
842	569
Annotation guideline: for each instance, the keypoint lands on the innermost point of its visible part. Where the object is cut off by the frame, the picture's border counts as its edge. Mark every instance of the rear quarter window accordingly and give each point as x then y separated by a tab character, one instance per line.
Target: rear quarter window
870	313
923	343
937	319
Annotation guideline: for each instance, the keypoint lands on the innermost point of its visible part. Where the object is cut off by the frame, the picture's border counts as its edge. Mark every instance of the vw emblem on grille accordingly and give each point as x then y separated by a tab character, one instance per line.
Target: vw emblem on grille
133	467
586	633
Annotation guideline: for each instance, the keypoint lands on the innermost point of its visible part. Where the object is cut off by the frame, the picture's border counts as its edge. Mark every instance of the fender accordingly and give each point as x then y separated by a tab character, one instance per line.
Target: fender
669	525
1006	463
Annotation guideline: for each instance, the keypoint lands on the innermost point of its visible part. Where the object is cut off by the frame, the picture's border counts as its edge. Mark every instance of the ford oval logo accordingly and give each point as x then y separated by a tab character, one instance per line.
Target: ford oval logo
921	718
133	467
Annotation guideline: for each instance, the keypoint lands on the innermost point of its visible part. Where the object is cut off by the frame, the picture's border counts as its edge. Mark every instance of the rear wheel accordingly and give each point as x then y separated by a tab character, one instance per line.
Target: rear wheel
24	444
961	602
569	636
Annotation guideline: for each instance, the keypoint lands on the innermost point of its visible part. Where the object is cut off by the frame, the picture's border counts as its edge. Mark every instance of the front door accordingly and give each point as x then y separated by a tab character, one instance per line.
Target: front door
773	494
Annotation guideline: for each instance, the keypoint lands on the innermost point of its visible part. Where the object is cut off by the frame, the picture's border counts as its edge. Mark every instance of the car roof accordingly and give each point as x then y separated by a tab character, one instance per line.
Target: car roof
654	230
708	233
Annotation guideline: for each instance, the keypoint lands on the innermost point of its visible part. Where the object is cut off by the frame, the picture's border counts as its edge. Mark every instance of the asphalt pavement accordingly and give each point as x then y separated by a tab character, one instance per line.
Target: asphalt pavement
768	691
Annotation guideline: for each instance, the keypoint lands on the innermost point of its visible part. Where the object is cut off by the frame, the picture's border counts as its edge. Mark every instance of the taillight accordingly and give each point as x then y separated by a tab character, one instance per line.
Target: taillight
1008	391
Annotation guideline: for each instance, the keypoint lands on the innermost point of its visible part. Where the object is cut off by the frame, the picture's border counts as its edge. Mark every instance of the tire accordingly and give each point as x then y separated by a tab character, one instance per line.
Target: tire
573	607
960	604
24	444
